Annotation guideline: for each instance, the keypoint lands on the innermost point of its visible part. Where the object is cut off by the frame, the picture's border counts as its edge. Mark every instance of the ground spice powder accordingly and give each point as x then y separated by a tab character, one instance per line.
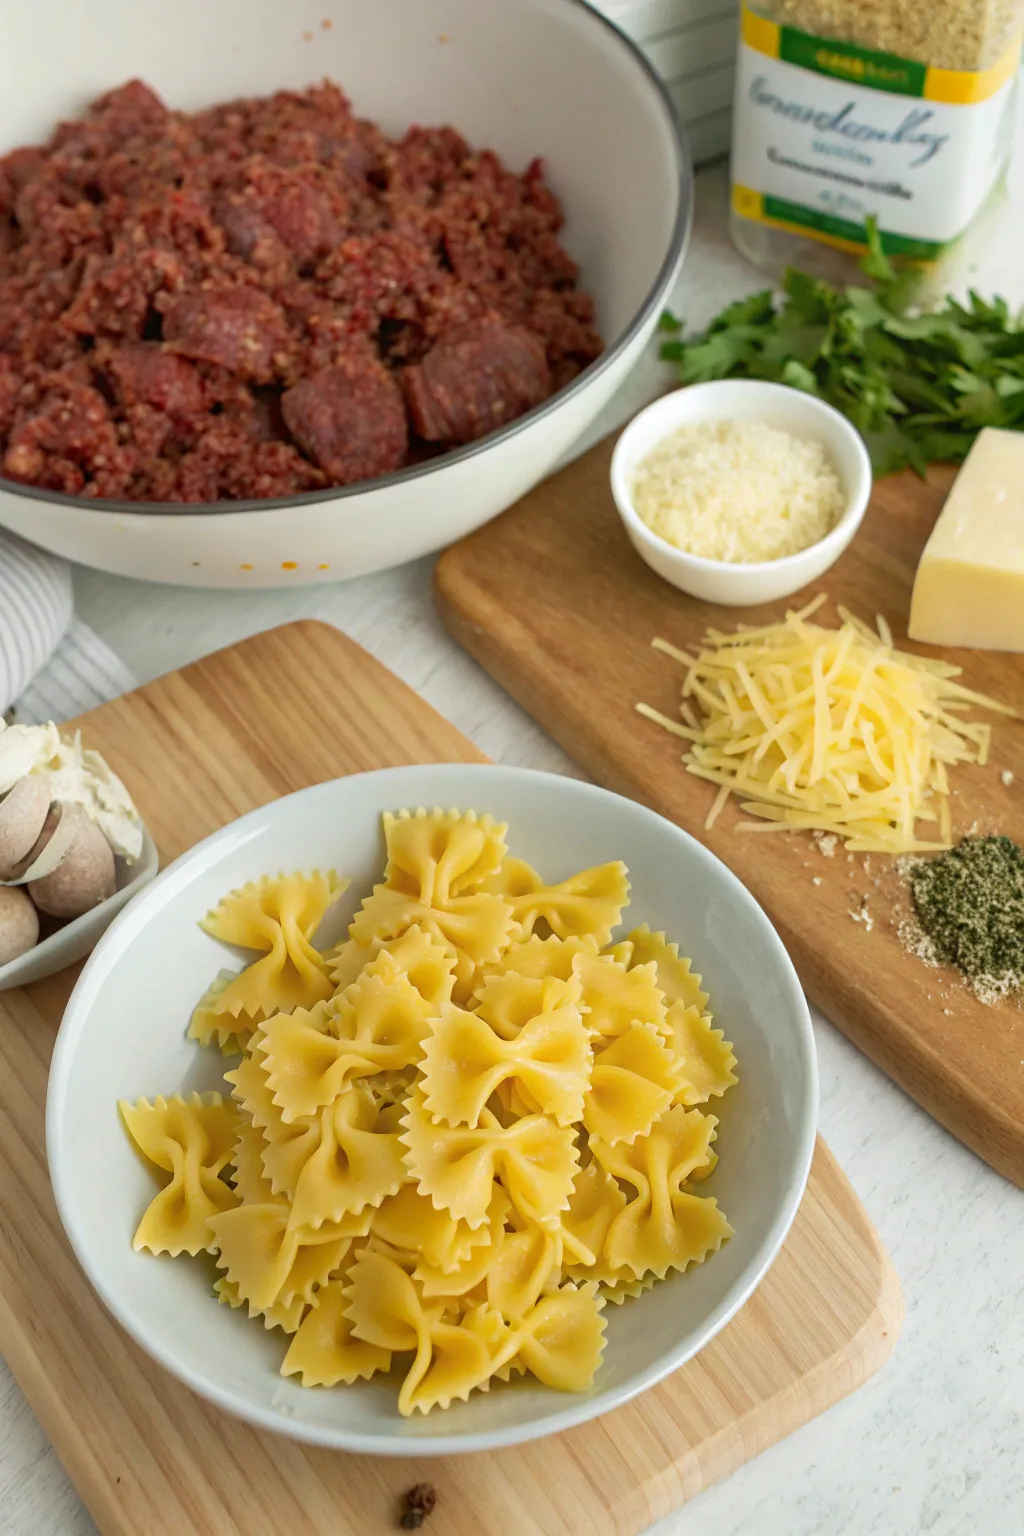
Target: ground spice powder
970	905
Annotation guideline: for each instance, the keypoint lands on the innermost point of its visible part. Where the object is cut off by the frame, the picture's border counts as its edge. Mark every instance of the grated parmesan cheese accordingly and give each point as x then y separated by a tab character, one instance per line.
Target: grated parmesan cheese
738	491
831	731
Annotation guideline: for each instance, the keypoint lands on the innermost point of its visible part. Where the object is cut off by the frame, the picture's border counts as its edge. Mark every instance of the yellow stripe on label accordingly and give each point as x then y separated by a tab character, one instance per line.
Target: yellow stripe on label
759	33
963	89
748	204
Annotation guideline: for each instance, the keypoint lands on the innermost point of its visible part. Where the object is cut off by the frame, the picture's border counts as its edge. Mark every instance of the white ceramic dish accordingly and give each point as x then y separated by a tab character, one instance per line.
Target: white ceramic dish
533	77
76	938
789	410
156	958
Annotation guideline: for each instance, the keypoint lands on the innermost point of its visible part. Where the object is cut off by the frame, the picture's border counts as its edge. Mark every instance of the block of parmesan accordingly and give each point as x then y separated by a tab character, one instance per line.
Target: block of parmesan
969	588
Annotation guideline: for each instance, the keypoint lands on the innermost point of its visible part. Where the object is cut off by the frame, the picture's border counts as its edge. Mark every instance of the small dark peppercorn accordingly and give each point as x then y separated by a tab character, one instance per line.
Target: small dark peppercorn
417	1504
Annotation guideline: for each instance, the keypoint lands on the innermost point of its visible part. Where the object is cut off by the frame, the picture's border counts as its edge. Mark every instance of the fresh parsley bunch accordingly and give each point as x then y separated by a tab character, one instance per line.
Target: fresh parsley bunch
918	386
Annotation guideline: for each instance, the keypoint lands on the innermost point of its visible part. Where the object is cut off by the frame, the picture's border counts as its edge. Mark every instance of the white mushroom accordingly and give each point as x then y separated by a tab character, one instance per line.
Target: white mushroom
85	875
22	814
19	924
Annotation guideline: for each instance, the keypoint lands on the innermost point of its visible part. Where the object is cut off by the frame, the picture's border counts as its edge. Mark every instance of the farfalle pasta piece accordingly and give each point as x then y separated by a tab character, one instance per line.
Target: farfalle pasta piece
476	927
438	1277
429	965
352	1160
538	959
192	1139
209	1027
325	1351
664	1227
613	998
704	1056
377	1025
438	855
456	1166
596	1200
410	1220
286	1318
587	904
348	960
633	1081
524	1266
623	1287
278	915
464	1060
509	1001
385	1309
251	1090
250	1183
268	1263
560	1341
675	978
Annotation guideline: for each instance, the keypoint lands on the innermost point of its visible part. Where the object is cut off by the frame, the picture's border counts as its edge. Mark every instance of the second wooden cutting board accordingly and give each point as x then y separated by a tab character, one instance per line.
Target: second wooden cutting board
554	602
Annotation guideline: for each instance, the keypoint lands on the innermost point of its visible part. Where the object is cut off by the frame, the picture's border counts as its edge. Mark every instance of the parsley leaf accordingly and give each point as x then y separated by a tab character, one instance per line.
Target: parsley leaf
919	386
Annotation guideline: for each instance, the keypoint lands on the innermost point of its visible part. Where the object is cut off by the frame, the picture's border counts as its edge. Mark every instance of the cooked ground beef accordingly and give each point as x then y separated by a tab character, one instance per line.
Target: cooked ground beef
268	297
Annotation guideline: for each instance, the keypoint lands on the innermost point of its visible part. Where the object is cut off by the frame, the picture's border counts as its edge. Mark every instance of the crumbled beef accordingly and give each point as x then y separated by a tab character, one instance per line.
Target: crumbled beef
68	442
474	380
146	373
268	297
350	419
240	329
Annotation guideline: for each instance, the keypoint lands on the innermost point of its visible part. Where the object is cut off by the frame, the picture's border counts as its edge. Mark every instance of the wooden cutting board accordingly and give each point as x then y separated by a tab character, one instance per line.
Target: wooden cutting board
554	602
199	747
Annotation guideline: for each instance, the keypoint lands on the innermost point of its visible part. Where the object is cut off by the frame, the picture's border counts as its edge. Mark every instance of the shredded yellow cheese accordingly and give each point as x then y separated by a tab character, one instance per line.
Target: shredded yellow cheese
829	730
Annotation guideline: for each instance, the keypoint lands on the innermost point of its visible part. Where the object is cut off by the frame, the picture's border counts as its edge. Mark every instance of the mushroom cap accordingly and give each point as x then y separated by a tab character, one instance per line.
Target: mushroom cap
19	923
22	813
85	875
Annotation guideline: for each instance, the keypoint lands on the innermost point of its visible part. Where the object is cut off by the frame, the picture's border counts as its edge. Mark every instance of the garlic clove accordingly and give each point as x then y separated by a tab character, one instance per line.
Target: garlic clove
48	849
85	875
22	814
19	924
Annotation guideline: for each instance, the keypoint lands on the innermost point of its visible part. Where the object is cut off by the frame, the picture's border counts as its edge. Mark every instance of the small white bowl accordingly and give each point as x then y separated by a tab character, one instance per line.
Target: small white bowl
156	952
776	405
77	938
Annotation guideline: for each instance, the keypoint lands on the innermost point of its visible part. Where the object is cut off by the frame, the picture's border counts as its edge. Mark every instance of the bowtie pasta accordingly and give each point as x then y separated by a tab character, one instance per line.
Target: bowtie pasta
450	1140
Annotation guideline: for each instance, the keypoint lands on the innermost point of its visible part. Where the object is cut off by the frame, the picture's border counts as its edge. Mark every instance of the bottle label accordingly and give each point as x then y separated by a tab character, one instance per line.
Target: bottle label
827	134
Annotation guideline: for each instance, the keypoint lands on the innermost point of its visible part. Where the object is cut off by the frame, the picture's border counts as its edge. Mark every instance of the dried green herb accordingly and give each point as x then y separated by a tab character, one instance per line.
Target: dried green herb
918	386
970	905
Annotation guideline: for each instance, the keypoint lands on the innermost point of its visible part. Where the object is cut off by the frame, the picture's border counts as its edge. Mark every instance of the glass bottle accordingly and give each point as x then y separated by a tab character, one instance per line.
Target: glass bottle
847	110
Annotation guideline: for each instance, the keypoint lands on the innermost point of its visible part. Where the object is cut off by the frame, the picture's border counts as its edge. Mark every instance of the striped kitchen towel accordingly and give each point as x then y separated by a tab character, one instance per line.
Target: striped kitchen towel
52	666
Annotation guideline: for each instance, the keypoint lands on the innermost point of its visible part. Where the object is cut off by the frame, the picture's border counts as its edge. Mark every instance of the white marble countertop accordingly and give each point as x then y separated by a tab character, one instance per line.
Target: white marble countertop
935	1442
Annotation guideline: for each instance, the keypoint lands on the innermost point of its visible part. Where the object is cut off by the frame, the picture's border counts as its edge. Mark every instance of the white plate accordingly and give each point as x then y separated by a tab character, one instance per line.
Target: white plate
76	938
123	1036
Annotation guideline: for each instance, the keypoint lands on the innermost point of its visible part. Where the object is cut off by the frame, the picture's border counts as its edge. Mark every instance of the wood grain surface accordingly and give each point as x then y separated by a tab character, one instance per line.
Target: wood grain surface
554	602
199	747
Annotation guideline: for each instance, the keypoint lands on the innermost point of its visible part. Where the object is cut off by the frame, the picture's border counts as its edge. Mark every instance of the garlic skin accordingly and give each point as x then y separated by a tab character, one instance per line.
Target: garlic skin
25	749
78	777
85	875
19	924
22	814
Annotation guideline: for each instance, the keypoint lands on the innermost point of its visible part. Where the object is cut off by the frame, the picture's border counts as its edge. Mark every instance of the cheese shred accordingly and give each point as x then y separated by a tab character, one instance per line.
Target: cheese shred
827	730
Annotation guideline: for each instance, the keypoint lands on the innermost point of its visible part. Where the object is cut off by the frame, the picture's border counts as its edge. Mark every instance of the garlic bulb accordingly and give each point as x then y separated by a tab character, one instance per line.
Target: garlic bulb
19	924
77	777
